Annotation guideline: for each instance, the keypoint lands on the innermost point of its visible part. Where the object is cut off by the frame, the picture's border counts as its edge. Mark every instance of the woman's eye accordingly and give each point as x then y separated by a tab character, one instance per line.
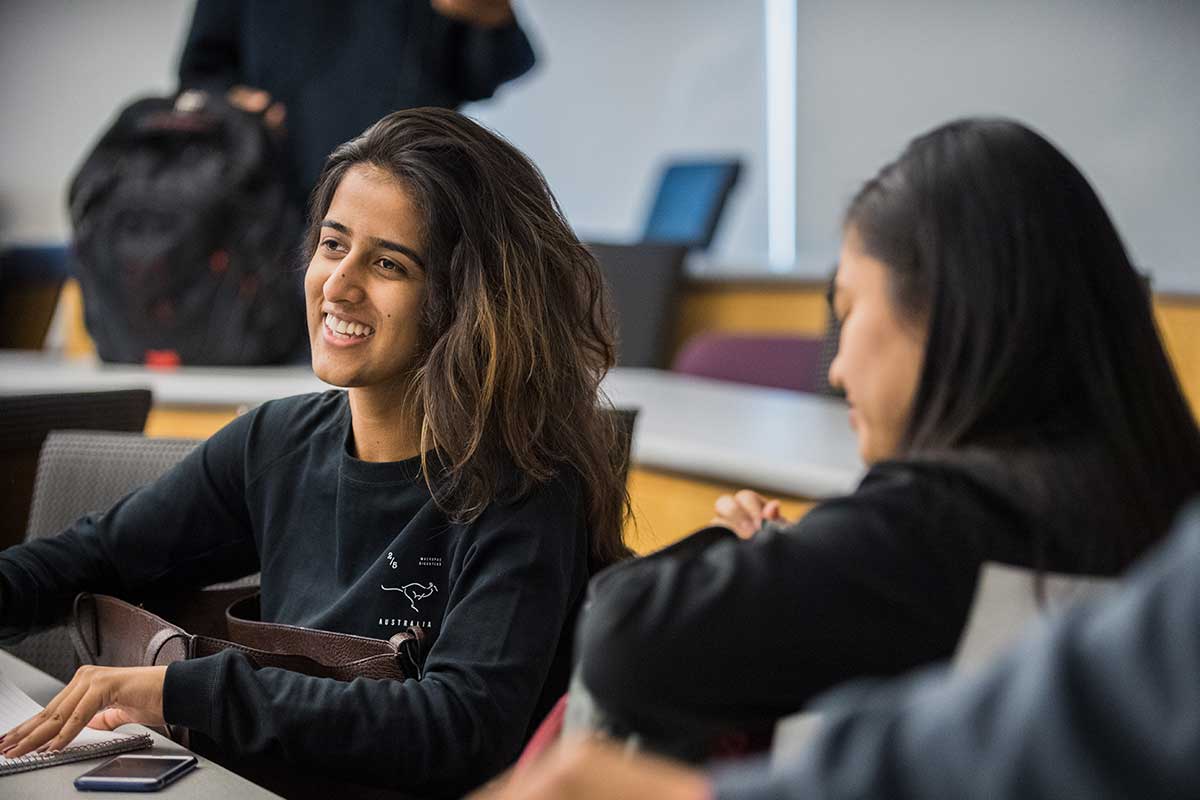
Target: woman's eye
390	265
332	245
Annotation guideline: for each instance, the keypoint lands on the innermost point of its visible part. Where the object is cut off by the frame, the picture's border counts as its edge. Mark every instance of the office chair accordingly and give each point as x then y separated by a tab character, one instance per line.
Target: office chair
81	472
26	419
691	196
644	281
778	361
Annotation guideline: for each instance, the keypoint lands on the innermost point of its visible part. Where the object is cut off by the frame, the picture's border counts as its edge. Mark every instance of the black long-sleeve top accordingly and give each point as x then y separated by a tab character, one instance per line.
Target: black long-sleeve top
343	545
340	65
1103	703
716	632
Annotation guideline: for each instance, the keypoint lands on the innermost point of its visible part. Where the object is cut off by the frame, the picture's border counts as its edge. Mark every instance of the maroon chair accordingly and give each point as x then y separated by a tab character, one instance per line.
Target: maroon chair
780	361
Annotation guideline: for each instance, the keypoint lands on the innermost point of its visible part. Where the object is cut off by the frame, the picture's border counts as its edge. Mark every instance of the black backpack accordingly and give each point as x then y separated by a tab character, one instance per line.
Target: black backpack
185	241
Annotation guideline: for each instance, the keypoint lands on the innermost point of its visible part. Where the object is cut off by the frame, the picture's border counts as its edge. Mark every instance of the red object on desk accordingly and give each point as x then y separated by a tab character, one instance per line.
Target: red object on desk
162	359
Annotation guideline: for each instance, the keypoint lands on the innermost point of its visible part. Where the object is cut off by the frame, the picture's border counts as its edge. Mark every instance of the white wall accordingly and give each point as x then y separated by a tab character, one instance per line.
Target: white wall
619	86
622	85
66	66
1112	82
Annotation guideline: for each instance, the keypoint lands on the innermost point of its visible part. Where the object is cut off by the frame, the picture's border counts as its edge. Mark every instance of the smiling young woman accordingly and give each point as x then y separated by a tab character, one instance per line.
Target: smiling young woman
1014	404
467	481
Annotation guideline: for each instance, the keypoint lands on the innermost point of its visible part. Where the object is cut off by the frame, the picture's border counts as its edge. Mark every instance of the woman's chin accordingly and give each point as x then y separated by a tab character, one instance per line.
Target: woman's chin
333	374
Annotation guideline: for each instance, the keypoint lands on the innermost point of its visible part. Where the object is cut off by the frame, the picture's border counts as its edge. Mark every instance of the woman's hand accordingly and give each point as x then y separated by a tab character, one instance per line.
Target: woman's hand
258	101
487	13
582	769
98	697
744	512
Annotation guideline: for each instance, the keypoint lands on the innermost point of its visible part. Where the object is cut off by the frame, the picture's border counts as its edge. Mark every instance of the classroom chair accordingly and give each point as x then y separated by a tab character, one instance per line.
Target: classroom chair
81	472
645	282
777	361
24	422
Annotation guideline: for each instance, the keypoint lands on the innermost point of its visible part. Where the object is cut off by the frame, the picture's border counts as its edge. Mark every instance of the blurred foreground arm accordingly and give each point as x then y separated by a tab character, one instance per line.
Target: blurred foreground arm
1103	703
591	769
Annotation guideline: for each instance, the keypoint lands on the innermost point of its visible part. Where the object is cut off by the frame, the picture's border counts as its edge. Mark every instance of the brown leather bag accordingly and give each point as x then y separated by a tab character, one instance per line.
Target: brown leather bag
110	632
107	631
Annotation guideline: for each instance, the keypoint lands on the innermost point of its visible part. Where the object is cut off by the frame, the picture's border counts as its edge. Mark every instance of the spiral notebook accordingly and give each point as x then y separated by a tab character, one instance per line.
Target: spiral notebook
16	707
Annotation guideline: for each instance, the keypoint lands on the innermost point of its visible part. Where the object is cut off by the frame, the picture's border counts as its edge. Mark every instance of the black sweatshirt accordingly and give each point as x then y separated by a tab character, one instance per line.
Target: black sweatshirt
340	65
348	546
715	631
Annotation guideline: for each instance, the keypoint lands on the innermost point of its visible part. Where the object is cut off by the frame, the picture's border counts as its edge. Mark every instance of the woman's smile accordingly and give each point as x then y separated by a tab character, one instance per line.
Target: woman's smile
342	332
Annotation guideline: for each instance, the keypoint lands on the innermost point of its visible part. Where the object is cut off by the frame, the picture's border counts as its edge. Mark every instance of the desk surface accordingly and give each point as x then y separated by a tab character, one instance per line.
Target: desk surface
208	780
771	439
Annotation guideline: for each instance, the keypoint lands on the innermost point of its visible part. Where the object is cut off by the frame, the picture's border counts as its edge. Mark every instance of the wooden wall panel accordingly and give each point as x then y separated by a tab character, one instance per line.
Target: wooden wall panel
1179	323
198	422
667	507
750	308
800	309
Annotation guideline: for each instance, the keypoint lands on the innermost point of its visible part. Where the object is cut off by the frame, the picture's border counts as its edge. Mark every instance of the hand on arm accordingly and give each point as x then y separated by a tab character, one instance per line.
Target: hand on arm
258	101
487	13
744	512
98	697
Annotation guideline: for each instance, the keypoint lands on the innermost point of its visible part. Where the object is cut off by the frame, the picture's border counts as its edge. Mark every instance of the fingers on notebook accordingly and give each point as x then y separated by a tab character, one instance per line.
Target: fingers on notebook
103	696
46	729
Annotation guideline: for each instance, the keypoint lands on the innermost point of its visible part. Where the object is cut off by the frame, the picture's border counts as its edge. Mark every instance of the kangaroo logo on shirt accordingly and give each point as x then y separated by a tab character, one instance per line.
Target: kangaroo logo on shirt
413	591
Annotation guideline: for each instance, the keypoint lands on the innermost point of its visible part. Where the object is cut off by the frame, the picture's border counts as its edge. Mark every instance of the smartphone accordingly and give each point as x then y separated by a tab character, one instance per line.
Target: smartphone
135	773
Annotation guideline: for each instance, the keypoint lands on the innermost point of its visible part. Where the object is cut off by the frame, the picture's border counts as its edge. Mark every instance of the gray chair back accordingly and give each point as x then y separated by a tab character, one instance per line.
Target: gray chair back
80	472
644	280
25	419
1008	600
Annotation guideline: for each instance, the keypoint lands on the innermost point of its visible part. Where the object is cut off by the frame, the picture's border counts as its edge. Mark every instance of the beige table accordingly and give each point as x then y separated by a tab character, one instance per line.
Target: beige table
207	781
695	438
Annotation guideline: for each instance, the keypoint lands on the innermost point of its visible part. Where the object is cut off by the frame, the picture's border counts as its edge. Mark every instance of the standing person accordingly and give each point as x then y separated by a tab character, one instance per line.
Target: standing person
467	482
323	70
1010	393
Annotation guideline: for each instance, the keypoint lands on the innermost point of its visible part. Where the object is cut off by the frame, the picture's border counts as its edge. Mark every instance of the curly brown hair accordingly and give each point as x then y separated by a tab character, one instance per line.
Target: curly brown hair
516	333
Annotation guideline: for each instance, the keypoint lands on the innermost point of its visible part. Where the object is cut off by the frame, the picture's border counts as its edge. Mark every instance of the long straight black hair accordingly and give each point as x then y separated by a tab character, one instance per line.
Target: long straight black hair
1043	367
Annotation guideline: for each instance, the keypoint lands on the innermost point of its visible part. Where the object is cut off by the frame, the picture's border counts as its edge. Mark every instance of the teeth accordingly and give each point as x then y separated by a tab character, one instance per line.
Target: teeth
347	328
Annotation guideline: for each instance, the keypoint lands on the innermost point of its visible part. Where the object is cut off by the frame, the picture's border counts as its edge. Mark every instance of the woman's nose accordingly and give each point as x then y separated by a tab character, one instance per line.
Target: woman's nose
344	283
835	373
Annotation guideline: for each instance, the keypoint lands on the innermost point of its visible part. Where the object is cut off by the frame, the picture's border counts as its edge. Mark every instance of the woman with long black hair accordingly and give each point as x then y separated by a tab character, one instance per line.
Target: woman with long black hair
467	483
1013	401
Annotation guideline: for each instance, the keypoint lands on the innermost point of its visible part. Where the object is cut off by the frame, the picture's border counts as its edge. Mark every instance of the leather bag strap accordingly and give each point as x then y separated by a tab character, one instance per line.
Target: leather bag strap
111	632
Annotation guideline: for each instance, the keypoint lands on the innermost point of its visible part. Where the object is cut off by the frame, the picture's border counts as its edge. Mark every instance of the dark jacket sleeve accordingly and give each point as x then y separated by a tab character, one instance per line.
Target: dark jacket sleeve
465	718
211	58
489	58
741	632
1102	703
187	529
